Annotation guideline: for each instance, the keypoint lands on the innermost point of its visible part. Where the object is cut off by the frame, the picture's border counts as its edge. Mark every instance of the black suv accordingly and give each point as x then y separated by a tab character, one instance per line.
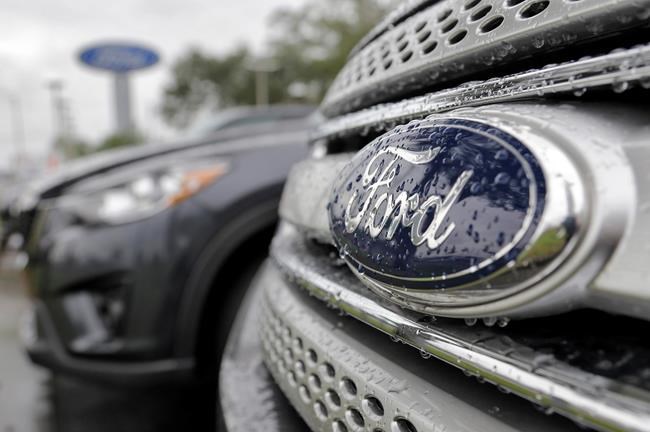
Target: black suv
138	258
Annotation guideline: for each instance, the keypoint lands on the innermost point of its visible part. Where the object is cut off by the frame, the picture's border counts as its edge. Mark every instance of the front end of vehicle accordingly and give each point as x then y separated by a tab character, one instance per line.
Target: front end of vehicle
106	259
479	193
122	261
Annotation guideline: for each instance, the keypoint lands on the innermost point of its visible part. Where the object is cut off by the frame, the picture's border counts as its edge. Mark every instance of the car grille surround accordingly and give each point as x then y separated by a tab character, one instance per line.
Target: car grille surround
454	39
423	51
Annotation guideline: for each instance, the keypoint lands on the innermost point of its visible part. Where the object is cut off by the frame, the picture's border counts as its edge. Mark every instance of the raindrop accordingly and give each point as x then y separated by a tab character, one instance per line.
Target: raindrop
503	389
470	321
579	91
502	178
489	321
620	86
645	82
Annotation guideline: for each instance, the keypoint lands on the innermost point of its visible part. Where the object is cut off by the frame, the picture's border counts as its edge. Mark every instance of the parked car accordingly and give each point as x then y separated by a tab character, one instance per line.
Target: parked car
138	257
18	198
478	192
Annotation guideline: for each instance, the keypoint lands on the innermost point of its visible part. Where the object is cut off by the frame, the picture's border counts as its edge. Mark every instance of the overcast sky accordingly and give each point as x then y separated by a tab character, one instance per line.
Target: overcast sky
41	39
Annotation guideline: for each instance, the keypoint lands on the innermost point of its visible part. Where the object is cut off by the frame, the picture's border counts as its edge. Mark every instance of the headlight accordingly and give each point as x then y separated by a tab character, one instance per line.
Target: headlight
142	195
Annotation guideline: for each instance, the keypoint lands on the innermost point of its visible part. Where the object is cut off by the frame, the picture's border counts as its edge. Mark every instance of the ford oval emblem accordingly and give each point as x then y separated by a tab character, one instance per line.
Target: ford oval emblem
437	204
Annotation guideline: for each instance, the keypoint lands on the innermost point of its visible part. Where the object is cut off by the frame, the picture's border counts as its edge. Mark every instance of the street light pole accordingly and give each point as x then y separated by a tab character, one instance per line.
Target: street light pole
17	125
122	95
262	68
261	88
58	116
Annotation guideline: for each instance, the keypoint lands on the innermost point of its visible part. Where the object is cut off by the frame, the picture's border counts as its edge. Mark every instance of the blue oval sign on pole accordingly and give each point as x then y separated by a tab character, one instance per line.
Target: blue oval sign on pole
118	57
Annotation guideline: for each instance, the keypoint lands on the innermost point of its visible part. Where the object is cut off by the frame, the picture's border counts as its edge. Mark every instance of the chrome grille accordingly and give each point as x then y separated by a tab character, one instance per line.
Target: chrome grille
340	378
453	39
618	71
589	398
424	45
324	394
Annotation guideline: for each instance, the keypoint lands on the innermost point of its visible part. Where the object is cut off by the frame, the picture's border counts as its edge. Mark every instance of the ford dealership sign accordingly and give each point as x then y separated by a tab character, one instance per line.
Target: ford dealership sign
118	57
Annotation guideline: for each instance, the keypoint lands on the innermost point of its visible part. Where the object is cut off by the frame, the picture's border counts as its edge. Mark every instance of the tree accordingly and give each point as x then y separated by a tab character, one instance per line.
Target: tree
200	80
313	42
119	139
310	45
71	147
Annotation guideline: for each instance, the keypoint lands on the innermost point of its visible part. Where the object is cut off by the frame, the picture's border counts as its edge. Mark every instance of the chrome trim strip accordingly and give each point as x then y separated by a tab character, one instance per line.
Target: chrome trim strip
586	398
307	192
619	69
456	38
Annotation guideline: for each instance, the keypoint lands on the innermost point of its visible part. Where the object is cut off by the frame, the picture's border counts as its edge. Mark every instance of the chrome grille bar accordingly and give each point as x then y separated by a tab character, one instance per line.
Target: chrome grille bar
620	70
454	38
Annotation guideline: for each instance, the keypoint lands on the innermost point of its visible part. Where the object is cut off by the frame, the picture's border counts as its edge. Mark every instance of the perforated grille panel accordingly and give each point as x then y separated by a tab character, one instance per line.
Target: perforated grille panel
454	38
326	394
342	376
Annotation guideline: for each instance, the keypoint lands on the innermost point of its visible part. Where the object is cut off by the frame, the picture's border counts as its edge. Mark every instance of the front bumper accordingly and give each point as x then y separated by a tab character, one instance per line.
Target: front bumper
340	374
44	348
107	296
249	399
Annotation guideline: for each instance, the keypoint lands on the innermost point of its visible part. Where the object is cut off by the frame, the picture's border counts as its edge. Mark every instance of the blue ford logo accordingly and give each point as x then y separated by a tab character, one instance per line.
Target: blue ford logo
437	204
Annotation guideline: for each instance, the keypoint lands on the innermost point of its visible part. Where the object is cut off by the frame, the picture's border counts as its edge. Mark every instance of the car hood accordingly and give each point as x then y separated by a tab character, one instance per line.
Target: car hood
53	185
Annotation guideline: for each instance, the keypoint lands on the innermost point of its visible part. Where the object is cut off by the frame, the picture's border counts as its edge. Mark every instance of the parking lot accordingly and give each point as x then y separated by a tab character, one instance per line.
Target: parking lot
33	400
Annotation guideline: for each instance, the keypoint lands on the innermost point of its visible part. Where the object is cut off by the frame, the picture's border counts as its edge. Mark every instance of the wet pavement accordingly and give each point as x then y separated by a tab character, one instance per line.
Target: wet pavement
33	400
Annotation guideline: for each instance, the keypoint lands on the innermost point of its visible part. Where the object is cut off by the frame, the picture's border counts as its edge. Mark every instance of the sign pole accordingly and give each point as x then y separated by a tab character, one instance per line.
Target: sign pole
120	59
122	96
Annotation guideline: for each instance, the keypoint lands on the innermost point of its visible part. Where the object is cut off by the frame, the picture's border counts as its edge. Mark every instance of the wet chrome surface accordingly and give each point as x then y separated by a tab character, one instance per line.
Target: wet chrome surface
486	200
619	71
587	398
249	397
593	156
338	371
452	39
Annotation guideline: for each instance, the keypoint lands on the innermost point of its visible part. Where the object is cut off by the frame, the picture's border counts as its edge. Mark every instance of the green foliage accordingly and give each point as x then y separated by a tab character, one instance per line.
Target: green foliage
199	80
309	44
117	140
72	147
313	42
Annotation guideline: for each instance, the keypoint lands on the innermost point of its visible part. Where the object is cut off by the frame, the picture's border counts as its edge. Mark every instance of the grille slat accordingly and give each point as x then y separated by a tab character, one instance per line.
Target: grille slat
619	70
454	39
